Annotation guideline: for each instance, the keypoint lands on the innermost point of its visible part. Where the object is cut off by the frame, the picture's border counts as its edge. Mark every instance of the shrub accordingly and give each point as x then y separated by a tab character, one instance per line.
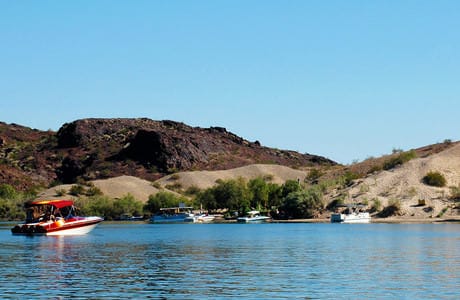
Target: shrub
7	191
192	190
76	190
442	212
393	208
156	185
93	191
400	159
349	177
377	205
174	187
60	192
434	179
314	175
174	177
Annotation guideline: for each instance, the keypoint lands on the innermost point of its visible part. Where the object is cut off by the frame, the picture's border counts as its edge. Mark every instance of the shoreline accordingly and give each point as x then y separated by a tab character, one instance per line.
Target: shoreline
392	220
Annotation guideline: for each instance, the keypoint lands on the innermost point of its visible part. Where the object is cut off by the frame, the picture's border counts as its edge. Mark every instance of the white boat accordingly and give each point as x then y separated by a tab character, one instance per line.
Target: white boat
54	217
352	215
200	218
253	216
173	215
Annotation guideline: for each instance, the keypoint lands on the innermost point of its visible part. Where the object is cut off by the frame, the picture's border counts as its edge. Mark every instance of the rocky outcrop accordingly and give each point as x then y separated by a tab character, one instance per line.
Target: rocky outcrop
92	149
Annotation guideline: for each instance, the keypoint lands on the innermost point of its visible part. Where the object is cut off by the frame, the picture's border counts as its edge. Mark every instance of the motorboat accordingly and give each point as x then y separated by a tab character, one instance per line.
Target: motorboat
351	215
54	217
252	216
200	218
173	215
204	218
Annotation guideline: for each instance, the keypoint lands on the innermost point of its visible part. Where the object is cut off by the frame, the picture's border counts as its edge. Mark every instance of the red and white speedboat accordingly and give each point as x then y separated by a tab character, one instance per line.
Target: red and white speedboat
54	217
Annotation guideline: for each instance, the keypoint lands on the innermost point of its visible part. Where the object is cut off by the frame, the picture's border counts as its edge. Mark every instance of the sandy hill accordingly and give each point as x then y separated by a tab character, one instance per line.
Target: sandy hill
141	189
116	187
404	183
205	179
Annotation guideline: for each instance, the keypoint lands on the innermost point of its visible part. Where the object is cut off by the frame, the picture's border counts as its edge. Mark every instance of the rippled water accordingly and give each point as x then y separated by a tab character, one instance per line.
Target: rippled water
223	261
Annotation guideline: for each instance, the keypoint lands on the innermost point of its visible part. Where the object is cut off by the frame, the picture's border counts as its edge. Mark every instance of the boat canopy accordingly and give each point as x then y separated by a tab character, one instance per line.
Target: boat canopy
55	203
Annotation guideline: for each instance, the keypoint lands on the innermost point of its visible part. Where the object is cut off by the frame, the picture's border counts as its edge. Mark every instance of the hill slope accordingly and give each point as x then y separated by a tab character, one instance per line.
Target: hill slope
92	149
404	184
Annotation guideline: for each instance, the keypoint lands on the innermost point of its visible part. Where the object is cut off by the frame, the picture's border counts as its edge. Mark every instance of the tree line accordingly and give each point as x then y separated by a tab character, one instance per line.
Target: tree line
235	196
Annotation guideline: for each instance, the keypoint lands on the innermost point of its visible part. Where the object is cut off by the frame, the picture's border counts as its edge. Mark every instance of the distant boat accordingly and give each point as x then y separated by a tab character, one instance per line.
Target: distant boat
54	217
351	216
253	216
173	215
200	218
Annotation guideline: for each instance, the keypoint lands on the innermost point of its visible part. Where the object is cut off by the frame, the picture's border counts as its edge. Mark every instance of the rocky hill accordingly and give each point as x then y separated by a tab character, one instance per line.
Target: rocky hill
91	149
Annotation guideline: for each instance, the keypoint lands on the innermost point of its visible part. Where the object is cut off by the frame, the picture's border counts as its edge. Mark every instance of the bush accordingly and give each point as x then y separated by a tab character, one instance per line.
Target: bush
314	175
376	206
434	179
61	192
93	191
400	159
192	190
7	191
393	208
76	190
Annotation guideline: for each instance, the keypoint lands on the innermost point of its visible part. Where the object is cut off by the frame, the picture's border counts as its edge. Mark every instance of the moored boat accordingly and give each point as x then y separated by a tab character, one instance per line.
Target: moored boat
54	217
200	218
173	215
252	216
351	215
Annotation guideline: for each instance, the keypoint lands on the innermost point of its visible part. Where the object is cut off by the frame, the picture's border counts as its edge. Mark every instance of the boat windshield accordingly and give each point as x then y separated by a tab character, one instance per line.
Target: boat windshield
44	212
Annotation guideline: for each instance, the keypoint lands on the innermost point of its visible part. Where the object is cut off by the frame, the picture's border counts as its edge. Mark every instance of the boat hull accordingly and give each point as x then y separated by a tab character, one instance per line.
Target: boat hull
351	218
76	226
252	220
181	218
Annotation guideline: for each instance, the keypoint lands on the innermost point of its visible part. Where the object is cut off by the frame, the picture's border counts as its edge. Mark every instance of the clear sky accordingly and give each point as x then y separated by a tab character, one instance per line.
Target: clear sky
343	79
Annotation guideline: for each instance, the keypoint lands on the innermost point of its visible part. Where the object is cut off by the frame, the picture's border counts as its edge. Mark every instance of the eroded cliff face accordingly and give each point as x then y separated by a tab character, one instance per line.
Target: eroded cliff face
91	149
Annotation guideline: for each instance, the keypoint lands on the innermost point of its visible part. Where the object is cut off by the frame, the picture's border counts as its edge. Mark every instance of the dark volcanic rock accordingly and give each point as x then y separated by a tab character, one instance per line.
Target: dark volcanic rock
100	148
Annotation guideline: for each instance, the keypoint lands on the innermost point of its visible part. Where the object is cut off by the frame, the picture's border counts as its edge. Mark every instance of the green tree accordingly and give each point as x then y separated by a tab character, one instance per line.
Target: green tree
274	195
96	206
290	186
302	203
163	199
260	192
207	199
127	205
233	194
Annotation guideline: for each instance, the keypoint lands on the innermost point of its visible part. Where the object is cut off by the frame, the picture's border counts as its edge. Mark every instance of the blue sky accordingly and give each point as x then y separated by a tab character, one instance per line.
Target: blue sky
342	79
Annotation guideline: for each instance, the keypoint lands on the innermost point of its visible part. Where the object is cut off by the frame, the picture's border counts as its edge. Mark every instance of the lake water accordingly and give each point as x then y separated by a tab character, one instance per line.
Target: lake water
225	261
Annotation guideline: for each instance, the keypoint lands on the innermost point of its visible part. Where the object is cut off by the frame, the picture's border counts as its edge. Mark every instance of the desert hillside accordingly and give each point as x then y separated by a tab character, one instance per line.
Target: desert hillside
205	179
404	183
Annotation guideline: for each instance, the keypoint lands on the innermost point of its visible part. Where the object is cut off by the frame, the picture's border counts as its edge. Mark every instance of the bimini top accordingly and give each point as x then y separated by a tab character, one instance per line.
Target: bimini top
56	203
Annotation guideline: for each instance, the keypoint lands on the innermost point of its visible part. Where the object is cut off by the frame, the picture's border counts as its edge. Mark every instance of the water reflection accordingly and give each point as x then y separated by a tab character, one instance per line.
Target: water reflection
228	261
